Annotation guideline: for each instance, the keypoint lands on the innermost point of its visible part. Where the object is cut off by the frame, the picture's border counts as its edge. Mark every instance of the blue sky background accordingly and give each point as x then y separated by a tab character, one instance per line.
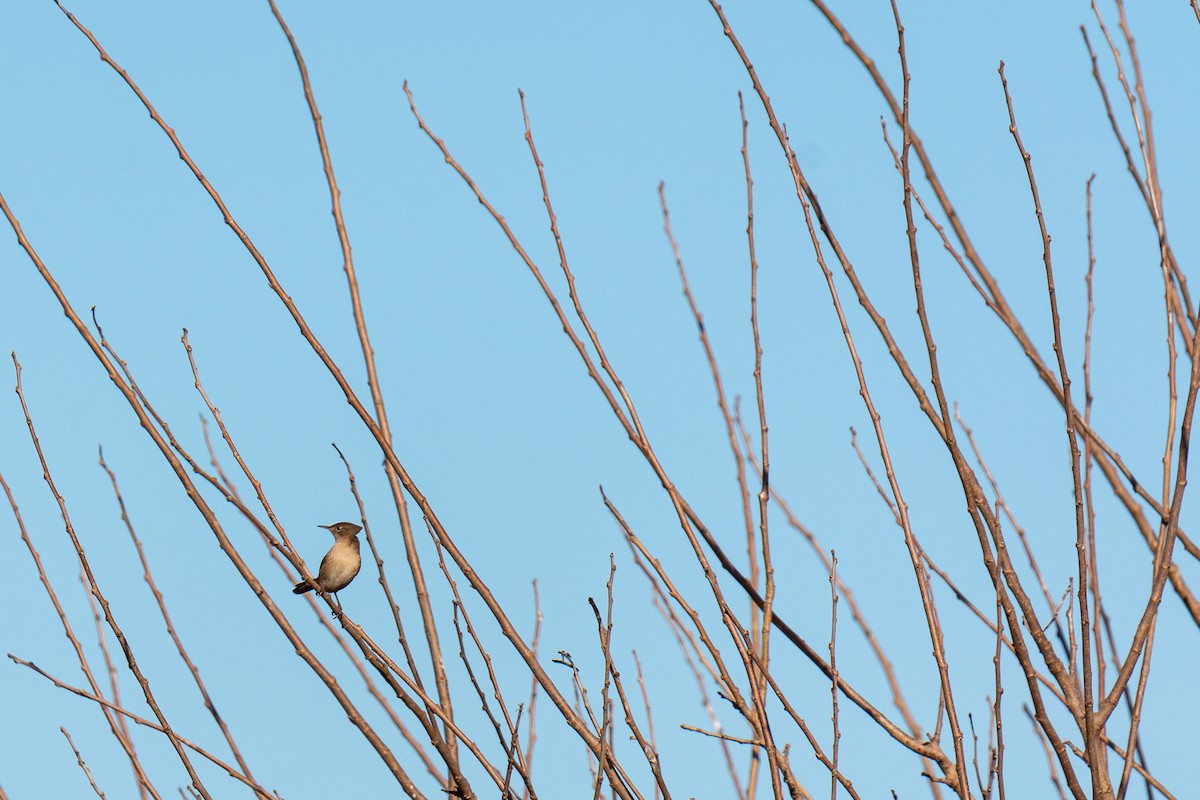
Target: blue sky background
492	411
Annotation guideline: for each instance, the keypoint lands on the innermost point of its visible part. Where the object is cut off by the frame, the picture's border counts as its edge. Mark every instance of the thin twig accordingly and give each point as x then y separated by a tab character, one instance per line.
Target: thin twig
360	325
162	609
79	760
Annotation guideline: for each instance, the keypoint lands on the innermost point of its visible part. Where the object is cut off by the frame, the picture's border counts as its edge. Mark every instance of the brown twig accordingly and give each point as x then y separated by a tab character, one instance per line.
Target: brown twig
1002	507
935	629
664	601
751	545
975	756
1088	457
653	742
411	553
605	635
512	728
79	760
1082	708
833	689
764	493
485	705
1051	763
757	696
534	641
162	609
604	630
725	737
997	765
109	664
393	606
655	574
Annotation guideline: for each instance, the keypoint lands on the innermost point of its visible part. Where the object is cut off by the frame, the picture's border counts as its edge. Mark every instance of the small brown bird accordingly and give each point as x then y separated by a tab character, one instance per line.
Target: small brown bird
340	564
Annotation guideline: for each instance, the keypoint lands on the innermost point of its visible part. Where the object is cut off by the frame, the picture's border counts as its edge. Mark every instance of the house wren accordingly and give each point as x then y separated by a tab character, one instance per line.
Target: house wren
340	564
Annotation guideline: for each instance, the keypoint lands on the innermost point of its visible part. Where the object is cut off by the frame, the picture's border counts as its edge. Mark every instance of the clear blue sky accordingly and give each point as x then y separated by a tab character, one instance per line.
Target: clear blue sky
493	413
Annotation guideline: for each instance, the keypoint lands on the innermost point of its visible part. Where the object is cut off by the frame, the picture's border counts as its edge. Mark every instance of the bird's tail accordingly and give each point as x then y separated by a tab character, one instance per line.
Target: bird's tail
302	587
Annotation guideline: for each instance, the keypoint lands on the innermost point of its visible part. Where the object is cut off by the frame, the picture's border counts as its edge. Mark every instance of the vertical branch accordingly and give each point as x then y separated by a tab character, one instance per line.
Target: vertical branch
1088	455
605	631
531	738
649	752
759	633
997	762
835	750
758	718
1093	741
1170	266
935	629
1176	288
651	739
764	464
410	549
983	791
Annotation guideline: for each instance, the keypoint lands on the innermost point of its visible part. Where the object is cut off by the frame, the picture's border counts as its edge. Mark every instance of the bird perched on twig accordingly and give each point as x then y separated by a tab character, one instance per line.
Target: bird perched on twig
340	564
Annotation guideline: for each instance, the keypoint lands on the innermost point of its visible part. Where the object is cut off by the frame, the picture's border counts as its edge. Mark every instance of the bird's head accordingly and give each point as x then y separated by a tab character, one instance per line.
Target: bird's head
340	529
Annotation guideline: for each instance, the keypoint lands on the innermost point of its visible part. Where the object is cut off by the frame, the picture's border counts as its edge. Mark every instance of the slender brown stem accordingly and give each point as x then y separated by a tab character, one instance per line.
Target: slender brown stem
1083	711
410	549
171	631
79	760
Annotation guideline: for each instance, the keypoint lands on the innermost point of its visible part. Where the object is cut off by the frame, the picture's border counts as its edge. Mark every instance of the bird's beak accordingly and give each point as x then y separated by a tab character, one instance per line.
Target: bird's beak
326	527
